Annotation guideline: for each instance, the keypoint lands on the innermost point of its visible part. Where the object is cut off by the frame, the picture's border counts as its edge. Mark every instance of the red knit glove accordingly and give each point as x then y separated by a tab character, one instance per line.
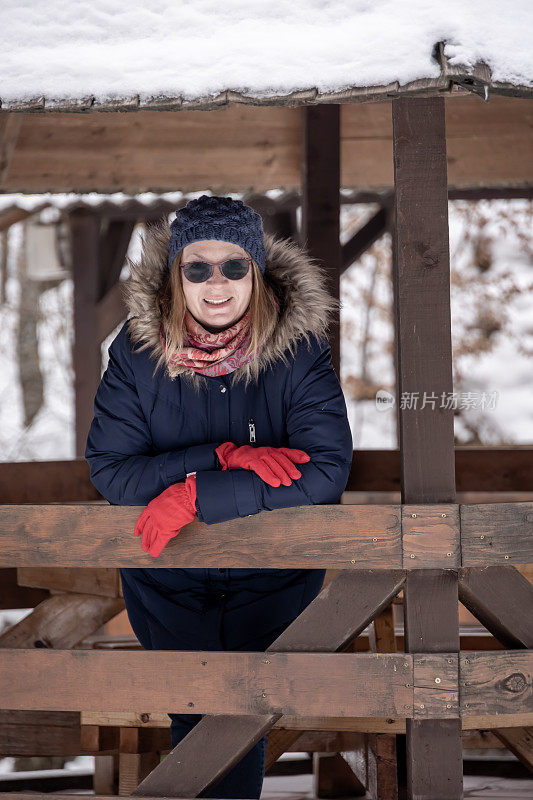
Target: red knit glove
275	465
166	514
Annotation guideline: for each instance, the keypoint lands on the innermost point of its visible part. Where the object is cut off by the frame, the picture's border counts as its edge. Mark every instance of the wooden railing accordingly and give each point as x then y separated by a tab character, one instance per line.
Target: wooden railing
470	549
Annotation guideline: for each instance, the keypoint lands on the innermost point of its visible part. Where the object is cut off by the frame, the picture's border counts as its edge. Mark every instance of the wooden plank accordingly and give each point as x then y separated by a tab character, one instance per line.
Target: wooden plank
367	684
342	536
435	685
34	733
506	534
286	723
431	536
497	683
61	621
320	223
240	147
343	608
489	144
80	580
234	737
98	535
309	723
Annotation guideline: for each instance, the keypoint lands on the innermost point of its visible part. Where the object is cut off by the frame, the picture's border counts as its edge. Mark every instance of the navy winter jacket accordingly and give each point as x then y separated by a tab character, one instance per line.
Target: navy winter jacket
149	431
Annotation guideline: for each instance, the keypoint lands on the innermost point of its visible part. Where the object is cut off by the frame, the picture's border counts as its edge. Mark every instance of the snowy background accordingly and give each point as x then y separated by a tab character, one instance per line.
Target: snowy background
113	48
492	334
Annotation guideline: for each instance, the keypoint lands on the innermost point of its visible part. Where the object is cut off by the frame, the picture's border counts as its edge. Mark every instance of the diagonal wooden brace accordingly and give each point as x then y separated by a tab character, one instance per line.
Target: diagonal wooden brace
502	599
339	613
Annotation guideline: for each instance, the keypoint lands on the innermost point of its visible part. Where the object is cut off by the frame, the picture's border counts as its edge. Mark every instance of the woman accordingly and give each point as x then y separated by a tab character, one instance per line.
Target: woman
241	413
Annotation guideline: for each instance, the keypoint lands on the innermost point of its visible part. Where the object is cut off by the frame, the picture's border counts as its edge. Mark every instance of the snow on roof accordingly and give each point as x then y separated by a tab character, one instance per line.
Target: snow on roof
200	54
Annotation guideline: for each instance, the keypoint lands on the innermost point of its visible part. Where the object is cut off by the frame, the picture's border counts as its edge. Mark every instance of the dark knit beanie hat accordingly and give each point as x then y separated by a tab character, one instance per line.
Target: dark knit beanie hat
218	218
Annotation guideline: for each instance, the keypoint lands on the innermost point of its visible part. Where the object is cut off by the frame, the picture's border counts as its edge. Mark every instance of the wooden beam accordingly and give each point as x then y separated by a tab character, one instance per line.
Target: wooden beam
485	528
278	742
320	226
241	147
345	537
501	685
519	741
85	228
34	733
98	535
61	621
421	282
203	683
80	580
351	684
364	238
329	610
422	300
307	723
502	599
477	469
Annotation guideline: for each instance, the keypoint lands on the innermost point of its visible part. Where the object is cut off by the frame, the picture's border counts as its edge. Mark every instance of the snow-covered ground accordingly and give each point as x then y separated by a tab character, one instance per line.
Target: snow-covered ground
114	48
499	365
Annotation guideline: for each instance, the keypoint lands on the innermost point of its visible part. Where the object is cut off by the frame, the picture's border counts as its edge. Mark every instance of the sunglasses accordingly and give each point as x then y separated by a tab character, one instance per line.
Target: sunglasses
200	271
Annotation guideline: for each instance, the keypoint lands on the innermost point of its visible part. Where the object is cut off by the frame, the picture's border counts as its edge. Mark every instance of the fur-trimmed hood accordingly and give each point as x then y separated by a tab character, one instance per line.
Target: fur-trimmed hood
297	280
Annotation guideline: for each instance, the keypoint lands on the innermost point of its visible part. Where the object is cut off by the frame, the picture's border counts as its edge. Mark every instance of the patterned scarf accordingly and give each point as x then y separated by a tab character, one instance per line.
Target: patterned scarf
212	353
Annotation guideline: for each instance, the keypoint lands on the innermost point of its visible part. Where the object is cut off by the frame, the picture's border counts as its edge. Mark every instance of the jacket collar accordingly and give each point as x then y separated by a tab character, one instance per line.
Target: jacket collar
297	279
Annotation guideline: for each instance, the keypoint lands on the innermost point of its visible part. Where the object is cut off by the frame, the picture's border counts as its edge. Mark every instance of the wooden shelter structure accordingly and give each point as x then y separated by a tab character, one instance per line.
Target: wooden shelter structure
393	719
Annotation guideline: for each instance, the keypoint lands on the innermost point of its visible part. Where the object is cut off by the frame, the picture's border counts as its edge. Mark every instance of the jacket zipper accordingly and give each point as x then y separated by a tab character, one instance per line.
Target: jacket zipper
251	428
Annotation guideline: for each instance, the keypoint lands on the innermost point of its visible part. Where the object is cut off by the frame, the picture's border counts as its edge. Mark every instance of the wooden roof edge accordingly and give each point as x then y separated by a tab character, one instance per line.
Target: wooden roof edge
452	77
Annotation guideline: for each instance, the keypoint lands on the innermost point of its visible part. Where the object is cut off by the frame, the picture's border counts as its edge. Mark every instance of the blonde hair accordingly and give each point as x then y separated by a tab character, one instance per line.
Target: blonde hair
171	299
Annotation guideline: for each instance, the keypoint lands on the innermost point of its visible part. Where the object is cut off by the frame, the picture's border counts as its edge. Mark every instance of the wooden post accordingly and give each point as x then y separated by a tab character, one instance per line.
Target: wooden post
320	231
86	356
421	280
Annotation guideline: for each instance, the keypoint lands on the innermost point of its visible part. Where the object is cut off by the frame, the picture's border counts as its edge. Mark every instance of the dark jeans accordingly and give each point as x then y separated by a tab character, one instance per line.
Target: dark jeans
217	609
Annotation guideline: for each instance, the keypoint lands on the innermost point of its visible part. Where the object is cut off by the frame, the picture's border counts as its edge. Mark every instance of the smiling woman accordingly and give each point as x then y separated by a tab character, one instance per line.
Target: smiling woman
217	302
217	308
246	415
